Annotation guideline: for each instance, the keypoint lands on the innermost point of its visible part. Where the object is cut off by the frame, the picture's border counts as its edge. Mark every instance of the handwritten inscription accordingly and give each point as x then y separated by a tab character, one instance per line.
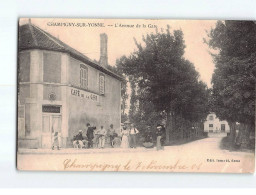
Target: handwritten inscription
130	165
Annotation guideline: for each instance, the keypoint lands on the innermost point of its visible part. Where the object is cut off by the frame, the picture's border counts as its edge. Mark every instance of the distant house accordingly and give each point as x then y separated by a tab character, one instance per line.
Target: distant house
214	125
61	90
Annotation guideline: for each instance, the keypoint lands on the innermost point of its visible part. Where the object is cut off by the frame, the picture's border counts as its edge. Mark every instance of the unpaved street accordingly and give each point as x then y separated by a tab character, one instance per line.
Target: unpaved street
198	156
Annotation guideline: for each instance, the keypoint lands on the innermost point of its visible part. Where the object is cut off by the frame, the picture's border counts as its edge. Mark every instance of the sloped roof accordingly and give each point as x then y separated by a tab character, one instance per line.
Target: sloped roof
32	37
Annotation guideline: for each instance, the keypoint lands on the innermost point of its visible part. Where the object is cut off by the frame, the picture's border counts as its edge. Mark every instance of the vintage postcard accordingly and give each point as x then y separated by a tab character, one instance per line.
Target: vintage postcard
136	95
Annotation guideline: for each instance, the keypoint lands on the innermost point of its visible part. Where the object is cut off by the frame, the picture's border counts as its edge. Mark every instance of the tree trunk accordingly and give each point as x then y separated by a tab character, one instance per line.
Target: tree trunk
169	126
232	126
167	129
245	135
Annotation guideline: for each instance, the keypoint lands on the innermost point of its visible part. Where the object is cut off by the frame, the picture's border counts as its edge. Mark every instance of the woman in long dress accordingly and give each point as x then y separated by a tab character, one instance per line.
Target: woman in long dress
160	133
125	140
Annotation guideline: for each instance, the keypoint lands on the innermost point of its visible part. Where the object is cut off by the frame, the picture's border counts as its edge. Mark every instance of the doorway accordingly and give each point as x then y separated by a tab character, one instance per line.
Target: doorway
223	128
51	124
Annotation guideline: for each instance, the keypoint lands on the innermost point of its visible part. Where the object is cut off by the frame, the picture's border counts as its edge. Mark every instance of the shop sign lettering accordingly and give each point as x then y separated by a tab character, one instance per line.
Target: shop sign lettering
85	95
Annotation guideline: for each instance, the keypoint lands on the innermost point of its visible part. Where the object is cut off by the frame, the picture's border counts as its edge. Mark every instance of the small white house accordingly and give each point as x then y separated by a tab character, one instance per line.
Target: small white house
214	125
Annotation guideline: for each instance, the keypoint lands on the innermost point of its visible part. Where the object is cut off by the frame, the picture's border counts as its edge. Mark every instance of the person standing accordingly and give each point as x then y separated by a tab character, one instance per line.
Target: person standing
102	134
160	137
111	133
96	138
133	136
125	138
55	141
90	135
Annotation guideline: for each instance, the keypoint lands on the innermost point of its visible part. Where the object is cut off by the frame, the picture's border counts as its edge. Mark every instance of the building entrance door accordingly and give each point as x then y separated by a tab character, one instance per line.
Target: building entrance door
51	124
223	127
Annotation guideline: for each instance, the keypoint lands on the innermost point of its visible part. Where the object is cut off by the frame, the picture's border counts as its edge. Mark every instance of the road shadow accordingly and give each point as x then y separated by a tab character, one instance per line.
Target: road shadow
227	144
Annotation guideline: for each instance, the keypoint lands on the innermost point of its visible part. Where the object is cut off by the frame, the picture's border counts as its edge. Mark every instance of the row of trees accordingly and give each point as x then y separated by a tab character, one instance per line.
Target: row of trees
233	92
164	85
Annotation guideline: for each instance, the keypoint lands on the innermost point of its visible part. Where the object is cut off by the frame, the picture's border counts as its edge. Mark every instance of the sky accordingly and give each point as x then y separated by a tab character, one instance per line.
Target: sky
121	39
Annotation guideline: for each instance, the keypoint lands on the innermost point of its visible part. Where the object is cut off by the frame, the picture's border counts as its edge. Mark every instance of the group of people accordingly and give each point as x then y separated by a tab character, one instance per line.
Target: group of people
94	137
129	135
97	138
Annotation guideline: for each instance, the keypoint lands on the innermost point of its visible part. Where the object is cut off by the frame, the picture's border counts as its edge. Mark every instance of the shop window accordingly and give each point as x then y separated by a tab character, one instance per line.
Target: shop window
102	84
83	76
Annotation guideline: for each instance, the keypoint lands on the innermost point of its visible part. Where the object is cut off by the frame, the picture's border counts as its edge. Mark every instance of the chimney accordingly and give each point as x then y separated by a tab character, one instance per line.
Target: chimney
103	49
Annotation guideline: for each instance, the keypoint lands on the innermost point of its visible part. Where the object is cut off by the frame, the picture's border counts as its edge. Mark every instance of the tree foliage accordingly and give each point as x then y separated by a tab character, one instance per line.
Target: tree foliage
233	93
233	82
163	82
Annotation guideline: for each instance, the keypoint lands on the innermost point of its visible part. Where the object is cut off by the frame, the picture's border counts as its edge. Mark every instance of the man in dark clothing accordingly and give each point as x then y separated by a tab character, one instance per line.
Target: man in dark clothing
163	135
78	140
90	135
79	136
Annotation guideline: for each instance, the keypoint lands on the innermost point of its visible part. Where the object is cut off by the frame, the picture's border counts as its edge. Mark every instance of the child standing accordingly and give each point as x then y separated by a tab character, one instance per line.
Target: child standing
55	141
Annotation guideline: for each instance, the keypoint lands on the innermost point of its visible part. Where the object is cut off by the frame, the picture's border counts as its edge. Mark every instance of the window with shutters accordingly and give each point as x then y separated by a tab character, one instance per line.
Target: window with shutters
102	84
83	76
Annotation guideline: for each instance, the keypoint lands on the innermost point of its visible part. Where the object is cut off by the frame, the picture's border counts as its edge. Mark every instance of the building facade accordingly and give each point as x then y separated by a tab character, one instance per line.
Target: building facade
214	125
60	89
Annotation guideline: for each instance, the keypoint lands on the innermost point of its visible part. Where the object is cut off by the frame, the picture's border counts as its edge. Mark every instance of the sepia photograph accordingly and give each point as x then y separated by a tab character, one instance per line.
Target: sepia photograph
136	95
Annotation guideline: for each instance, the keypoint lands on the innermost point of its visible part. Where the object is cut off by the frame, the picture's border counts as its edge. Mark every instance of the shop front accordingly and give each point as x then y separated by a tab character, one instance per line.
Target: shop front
51	123
61	90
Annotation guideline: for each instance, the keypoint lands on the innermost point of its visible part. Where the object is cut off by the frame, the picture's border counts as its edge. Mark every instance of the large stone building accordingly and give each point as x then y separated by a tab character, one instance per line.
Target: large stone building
214	125
60	89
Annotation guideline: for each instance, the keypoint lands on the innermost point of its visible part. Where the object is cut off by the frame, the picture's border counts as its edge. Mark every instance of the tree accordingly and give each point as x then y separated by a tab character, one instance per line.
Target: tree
233	94
163	82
